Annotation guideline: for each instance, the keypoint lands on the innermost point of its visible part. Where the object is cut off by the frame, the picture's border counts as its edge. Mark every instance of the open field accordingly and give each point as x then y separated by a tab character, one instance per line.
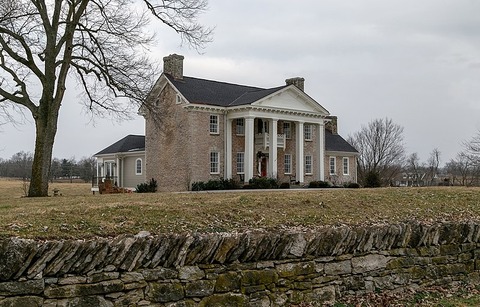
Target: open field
79	214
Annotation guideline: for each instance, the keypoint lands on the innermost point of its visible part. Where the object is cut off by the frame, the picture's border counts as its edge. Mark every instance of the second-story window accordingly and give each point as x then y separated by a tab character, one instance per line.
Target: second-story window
287	130
214	124
307	129
240	130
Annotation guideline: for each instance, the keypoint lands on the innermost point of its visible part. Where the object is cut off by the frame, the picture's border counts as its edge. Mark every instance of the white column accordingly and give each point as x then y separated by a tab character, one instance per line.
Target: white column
249	147
272	150
300	158
117	170
228	149
321	151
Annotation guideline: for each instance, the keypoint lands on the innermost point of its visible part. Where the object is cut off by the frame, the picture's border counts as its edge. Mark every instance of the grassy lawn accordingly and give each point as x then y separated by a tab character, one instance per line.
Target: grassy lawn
79	214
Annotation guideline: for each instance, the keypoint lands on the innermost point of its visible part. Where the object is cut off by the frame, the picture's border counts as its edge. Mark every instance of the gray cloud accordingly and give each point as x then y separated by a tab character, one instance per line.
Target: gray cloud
416	62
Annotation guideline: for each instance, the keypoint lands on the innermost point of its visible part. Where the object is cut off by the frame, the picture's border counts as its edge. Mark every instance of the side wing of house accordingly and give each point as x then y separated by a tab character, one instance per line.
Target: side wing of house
122	163
340	159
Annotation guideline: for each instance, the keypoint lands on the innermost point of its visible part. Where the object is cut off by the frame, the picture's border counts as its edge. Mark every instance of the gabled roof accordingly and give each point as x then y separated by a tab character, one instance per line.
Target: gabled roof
130	143
201	91
334	142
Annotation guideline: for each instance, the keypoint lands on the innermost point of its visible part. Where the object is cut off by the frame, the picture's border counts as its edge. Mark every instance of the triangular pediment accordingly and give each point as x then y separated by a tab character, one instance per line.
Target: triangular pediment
291	99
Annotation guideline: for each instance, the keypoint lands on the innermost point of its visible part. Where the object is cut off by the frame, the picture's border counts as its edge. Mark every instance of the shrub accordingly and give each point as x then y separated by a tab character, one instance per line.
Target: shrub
372	180
215	184
262	183
319	184
285	185
352	185
150	187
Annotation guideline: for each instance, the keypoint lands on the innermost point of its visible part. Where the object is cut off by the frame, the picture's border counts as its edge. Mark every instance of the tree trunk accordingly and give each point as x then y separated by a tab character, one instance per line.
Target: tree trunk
46	129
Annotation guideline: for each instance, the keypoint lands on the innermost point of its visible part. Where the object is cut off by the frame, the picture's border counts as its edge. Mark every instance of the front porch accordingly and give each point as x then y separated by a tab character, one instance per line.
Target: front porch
274	147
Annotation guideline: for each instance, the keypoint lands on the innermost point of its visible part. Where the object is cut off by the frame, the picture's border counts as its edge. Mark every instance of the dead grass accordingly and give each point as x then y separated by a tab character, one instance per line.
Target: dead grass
79	214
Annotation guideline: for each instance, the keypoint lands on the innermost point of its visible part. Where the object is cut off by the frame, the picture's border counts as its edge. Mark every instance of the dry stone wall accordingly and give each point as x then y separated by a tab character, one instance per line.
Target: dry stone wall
236	269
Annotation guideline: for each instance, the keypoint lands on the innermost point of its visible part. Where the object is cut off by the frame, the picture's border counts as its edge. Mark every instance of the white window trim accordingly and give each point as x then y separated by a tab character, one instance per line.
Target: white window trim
289	124
334	165
218	163
217	130
141	166
285	164
236	126
242	162
310	128
106	168
311	165
178	99
348	165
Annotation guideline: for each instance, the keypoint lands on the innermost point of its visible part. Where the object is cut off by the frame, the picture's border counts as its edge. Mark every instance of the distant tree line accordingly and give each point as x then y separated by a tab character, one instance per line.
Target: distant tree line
20	166
383	161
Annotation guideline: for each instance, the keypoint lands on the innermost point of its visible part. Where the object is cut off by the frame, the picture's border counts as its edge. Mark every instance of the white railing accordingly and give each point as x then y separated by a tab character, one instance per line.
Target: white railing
263	139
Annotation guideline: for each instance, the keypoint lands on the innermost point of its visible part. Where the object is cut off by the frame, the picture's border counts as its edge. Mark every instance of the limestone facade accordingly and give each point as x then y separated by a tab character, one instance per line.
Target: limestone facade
279	135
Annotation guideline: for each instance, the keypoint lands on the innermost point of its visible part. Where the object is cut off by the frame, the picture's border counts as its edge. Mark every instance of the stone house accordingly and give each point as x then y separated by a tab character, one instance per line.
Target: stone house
198	129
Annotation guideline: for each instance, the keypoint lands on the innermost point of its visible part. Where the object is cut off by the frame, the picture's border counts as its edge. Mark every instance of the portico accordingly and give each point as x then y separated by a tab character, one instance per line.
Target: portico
268	141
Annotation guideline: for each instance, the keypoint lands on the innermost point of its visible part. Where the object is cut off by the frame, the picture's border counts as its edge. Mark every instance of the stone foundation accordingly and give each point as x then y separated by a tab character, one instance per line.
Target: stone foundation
245	269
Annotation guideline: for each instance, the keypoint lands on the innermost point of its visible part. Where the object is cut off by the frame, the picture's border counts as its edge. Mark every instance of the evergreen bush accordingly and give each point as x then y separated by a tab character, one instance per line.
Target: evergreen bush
150	187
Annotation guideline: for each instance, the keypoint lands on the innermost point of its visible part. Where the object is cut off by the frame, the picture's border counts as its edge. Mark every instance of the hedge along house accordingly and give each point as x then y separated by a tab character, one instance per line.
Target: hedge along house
123	163
198	129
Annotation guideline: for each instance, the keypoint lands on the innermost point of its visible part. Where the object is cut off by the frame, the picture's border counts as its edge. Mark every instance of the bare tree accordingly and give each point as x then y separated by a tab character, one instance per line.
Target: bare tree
433	164
101	42
462	170
472	148
415	169
381	149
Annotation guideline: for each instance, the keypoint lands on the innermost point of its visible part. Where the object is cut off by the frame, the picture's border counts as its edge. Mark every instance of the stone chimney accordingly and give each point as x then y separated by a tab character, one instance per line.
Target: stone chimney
297	81
332	124
173	65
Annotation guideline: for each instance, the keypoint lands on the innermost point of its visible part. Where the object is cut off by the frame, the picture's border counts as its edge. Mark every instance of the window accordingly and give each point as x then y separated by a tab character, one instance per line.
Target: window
214	163
262	126
346	163
109	169
214	124
288	164
240	126
307	129
240	162
179	99
308	164
287	130
332	166
138	167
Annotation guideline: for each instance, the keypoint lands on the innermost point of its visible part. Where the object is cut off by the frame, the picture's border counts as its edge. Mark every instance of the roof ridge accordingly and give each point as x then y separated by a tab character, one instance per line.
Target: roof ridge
223	82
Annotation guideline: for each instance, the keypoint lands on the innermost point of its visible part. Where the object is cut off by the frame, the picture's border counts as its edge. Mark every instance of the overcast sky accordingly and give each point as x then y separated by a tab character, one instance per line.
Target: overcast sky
416	62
